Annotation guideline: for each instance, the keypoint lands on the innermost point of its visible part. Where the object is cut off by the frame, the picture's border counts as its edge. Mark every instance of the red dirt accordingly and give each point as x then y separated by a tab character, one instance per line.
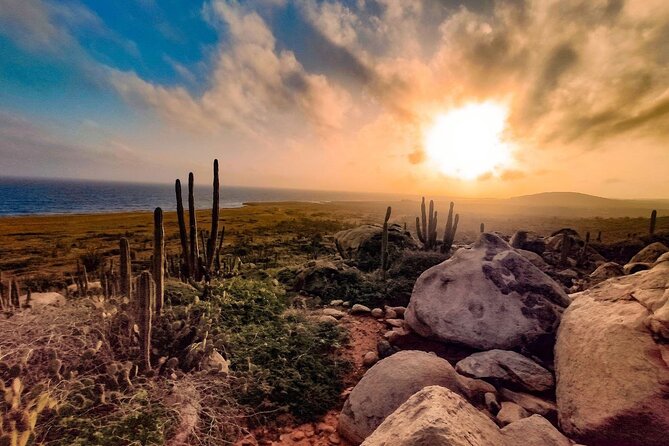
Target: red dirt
364	332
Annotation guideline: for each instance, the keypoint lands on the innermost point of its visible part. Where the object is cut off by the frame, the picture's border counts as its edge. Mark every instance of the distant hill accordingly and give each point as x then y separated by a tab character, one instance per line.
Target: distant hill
567	199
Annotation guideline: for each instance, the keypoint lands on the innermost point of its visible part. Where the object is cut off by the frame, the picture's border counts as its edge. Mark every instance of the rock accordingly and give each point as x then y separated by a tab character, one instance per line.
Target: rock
511	412
528	241
398	323
535	259
377	313
531	403
384	349
391	314
507	367
487	297
214	362
399	311
436	416
337	314
360	309
534	431
633	268
650	253
336	303
568	274
325	319
363	244
38	300
663	258
612	389
346	304
370	359
606	271
391	381
491	403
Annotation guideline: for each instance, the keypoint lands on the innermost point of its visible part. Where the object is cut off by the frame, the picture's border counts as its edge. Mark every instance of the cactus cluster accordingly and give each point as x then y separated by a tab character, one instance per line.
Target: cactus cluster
9	296
426	228
19	418
198	262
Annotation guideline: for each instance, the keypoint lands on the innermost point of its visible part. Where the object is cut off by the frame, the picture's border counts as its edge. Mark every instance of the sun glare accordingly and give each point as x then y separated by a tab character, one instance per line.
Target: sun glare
468	142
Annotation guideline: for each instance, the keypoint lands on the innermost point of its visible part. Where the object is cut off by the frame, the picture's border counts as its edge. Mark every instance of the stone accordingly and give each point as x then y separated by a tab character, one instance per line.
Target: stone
370	359
214	362
535	259
606	271
398	323
391	314
437	416
332	312
318	275
635	267
360	309
491	403
384	349
399	311
363	244
507	367
531	403
612	388
336	303
377	313
511	412
663	258
391	381
38	300
650	253
528	241
487	297
325	319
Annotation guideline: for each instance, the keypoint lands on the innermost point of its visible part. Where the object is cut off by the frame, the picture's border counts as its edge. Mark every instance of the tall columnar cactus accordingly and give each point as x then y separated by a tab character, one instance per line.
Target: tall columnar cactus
211	243
653	222
183	235
583	255
482	228
599	236
384	243
426	226
125	281
14	294
219	249
565	248
146	296
194	251
159	258
450	230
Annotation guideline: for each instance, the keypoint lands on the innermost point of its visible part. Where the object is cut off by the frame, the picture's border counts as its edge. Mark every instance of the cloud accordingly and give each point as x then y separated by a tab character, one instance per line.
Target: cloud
252	84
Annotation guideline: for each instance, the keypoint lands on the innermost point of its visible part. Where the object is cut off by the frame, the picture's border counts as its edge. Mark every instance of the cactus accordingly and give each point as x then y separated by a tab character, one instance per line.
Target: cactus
159	258
211	243
426	226
219	249
146	295
384	243
125	281
599	236
482	228
14	294
450	230
653	222
183	235
583	255
194	252
566	247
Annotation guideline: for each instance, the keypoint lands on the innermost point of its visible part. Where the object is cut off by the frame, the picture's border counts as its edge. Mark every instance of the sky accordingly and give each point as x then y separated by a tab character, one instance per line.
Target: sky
341	94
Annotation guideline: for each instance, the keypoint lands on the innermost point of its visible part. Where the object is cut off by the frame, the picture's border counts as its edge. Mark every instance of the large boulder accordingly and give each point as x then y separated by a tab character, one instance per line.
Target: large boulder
529	241
507	368
612	361
319	277
363	244
487	297
436	416
391	382
650	253
606	271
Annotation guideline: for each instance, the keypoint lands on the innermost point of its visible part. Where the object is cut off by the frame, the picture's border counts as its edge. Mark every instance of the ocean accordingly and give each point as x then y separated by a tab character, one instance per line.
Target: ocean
39	196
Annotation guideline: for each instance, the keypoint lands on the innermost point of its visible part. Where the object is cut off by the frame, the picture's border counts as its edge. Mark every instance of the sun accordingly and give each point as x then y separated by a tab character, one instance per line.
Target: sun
468	142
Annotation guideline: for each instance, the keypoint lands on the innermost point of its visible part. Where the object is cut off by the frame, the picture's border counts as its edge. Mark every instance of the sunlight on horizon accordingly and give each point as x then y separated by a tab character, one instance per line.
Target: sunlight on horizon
468	142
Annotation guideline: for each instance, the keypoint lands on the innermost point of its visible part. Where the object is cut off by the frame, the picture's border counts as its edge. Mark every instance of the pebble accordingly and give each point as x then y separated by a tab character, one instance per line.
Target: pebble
334	439
370	359
298	435
377	313
336	302
360	309
391	314
322	427
399	323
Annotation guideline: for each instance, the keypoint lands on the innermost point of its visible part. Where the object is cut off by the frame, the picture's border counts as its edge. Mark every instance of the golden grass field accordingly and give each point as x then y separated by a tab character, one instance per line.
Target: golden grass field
49	246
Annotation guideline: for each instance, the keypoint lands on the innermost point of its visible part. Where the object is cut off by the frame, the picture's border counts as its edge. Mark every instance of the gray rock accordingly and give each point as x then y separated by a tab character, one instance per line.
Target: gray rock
606	271
377	313
507	367
370	359
491	403
363	244
528	241
650	253
487	297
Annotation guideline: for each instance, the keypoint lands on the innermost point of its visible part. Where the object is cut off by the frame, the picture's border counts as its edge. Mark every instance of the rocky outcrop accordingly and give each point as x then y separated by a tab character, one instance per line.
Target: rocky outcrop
436	416
487	297
363	244
612	362
606	271
318	276
529	241
392	381
507	368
